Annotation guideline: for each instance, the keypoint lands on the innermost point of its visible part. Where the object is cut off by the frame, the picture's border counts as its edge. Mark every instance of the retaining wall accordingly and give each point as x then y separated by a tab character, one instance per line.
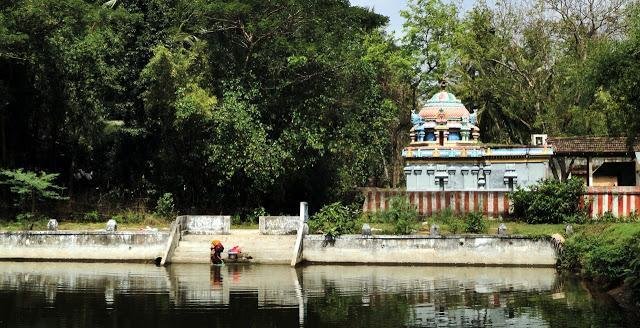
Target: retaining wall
443	250
82	246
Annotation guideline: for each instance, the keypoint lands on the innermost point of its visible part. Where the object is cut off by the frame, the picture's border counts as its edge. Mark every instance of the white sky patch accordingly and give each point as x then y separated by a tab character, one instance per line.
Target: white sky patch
391	9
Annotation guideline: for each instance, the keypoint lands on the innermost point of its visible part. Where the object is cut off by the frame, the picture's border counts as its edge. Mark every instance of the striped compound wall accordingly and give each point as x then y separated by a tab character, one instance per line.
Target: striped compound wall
620	201
491	203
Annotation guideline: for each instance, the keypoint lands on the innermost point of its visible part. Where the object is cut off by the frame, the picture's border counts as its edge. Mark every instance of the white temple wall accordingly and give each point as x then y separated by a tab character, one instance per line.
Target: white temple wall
467	176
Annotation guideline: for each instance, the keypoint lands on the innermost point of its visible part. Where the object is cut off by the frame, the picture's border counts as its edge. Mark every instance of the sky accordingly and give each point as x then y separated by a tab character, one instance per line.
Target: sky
391	8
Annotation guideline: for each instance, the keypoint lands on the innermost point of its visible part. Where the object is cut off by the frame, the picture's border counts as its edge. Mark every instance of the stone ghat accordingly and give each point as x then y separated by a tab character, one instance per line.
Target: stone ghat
90	246
479	250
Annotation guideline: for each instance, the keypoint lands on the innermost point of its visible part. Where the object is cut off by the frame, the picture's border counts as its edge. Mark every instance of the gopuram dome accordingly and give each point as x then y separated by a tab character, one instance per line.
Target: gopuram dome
444	120
446	103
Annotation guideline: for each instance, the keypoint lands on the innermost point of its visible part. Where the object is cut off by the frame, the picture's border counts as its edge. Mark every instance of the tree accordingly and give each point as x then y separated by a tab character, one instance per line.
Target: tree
31	187
430	28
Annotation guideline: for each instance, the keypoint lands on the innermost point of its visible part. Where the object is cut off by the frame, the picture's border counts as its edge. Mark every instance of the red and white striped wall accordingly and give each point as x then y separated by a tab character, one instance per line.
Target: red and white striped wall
620	201
491	203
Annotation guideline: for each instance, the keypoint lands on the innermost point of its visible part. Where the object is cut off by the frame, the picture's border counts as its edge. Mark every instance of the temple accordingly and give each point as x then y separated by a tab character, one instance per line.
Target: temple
445	152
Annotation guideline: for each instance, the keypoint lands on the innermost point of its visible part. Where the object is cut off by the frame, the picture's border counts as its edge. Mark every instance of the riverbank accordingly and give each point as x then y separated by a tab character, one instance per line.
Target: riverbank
608	255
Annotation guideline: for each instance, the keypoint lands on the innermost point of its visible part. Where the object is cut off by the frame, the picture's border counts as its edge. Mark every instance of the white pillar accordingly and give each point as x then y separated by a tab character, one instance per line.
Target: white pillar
589	172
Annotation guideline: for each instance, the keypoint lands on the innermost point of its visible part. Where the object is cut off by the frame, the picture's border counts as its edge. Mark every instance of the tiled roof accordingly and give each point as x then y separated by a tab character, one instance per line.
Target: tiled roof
592	145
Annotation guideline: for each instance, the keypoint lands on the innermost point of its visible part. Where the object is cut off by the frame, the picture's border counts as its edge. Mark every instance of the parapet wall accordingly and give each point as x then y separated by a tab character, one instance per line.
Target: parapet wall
619	201
82	246
491	203
279	225
206	224
441	250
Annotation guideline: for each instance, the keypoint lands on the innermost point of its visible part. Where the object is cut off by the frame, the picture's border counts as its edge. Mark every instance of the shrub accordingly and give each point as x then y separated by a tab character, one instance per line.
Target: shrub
456	225
475	223
92	216
448	221
402	214
607	253
25	217
165	207
550	201
32	187
335	219
129	217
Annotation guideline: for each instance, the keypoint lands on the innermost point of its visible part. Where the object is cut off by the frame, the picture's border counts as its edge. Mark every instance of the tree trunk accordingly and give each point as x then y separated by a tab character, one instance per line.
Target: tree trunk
33	202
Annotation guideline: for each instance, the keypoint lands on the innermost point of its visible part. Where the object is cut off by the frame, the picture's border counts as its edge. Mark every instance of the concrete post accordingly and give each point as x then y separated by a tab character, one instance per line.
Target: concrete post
297	249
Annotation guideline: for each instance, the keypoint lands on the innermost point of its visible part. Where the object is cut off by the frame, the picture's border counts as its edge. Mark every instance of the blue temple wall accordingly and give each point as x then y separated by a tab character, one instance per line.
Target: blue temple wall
465	176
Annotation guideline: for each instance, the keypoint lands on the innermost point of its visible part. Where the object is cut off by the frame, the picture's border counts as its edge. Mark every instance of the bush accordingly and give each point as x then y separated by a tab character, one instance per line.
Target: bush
448	221
550	201
165	207
475	223
335	219
32	187
129	217
92	216
402	214
607	253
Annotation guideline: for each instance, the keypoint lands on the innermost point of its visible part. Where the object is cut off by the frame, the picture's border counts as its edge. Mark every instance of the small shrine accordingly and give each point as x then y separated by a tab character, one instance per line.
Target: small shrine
445	152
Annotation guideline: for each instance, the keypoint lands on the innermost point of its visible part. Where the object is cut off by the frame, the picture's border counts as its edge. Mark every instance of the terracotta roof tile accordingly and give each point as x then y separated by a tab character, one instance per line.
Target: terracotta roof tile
592	145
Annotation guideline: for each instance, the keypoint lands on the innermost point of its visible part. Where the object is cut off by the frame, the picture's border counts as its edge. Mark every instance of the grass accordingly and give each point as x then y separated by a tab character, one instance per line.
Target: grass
149	221
452	225
245	226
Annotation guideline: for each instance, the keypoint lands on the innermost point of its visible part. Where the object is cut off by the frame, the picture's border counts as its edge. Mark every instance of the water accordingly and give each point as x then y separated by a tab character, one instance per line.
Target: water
138	295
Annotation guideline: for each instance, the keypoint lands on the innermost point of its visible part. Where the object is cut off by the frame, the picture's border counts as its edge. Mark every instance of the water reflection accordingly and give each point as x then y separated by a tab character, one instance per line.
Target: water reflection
128	295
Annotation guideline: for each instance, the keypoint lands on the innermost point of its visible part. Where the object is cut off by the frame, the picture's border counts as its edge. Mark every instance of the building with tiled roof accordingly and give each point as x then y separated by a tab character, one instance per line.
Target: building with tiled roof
600	161
593	145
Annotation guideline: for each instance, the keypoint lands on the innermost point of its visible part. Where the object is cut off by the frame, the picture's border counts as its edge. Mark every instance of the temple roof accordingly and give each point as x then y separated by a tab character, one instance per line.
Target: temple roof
444	98
592	145
445	105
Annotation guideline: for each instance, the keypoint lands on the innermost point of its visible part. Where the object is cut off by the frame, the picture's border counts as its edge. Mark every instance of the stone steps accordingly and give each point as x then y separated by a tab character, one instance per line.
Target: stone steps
272	249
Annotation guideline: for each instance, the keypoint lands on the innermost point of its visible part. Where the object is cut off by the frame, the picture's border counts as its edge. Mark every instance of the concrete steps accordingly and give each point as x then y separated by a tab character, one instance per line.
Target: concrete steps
272	249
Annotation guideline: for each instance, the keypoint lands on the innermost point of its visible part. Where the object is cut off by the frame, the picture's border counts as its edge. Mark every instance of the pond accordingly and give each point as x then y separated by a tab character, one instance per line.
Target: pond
142	295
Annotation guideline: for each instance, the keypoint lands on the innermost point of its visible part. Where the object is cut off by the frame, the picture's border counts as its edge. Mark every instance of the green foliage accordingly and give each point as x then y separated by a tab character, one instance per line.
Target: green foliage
246	102
92	216
475	223
334	220
402	214
605	252
448	221
250	102
133	217
550	201
165	207
30	187
608	217
254	216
